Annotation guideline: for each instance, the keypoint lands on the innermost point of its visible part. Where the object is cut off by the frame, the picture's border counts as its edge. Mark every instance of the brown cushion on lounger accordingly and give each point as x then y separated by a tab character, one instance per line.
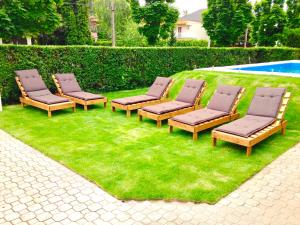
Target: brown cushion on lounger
31	80
84	95
167	107
50	99
224	98
266	102
199	116
134	99
159	87
247	125
68	82
190	91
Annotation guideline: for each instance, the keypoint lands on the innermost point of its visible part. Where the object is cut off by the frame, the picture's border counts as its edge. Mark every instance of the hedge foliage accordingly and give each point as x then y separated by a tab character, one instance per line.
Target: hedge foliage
102	69
162	43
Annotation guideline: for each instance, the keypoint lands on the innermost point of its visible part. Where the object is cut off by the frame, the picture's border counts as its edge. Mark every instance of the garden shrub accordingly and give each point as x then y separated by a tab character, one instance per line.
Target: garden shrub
100	69
291	37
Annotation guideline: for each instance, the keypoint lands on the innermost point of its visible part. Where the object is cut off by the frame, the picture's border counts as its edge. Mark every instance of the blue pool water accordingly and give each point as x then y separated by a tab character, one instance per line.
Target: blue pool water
288	67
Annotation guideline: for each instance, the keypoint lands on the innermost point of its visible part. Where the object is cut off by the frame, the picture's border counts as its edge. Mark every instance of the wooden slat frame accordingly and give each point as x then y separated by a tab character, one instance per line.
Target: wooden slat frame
79	101
160	117
131	107
25	100
195	129
279	124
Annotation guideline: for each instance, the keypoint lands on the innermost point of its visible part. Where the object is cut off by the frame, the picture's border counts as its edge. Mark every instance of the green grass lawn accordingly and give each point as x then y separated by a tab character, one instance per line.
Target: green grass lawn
135	160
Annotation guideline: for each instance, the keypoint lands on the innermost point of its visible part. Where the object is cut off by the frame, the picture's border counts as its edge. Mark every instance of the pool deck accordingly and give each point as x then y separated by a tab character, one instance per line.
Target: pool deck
231	69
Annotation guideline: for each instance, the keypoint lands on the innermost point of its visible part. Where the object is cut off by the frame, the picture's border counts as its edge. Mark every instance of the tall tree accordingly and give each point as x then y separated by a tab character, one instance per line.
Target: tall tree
227	20
32	17
269	23
6	26
293	13
156	19
76	22
102	10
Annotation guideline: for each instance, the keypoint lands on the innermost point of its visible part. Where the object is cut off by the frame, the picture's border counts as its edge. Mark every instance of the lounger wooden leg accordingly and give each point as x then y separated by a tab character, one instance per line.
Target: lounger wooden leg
22	104
195	136
159	123
249	150
140	118
113	108
128	113
74	109
105	104
214	141
171	129
85	107
49	113
283	130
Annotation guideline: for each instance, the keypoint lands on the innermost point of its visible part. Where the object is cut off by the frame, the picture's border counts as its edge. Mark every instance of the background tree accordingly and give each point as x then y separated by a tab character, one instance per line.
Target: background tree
32	17
269	23
293	13
156	19
6	26
227	20
102	10
75	14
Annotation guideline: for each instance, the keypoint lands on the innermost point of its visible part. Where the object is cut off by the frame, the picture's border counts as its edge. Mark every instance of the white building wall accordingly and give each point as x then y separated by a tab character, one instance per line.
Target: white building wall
192	30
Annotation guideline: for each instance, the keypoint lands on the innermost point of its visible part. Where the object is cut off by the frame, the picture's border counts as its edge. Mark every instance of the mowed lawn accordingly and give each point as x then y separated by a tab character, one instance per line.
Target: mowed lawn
135	160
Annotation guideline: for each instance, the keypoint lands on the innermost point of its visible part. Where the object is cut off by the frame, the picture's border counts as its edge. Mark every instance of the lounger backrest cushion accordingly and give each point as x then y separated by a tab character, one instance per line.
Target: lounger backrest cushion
190	91
159	87
68	82
224	98
266	102
31	80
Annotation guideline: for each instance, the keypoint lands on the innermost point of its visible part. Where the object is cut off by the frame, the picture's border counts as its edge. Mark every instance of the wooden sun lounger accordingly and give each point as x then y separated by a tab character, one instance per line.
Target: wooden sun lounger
131	107
209	124
279	124
25	100
79	101
160	117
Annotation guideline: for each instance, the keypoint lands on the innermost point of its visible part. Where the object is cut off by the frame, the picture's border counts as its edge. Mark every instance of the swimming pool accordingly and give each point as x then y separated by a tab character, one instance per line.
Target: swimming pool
281	68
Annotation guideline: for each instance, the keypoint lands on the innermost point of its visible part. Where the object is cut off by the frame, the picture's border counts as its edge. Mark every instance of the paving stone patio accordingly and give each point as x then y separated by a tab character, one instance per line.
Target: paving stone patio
37	190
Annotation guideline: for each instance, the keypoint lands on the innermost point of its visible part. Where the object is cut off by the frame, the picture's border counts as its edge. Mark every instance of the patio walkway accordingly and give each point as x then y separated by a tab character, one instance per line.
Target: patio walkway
37	190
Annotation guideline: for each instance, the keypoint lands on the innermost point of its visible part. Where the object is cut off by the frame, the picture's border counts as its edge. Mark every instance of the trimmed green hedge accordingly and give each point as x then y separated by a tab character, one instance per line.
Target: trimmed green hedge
187	43
101	69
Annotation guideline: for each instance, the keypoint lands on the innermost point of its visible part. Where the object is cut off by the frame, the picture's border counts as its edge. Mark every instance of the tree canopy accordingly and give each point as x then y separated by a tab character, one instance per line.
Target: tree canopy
227	20
293	13
269	23
156	19
75	16
30	17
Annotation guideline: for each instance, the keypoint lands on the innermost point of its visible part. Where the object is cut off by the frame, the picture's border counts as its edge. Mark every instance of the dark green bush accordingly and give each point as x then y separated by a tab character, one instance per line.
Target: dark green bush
101	69
291	37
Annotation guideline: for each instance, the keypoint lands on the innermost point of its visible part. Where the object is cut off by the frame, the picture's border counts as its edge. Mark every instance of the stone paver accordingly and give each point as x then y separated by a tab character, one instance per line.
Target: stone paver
37	190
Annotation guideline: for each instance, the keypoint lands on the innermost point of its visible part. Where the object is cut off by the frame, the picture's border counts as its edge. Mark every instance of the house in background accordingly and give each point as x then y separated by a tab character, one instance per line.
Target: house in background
190	26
